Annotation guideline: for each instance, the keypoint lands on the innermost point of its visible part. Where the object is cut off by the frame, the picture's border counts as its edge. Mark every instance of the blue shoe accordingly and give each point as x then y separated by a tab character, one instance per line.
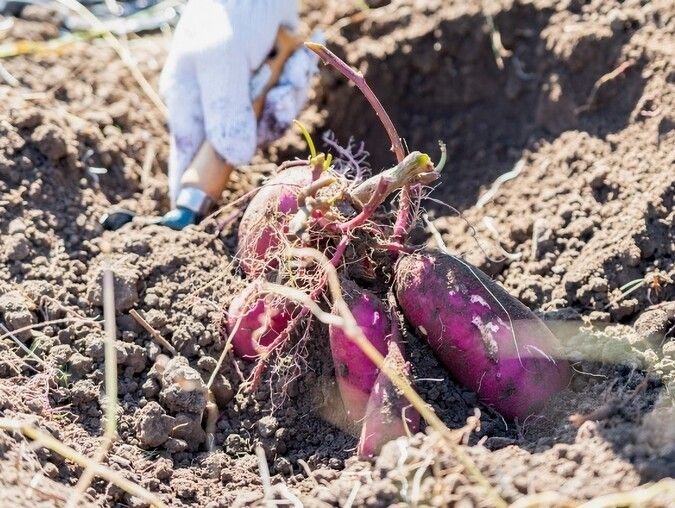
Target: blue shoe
192	205
178	219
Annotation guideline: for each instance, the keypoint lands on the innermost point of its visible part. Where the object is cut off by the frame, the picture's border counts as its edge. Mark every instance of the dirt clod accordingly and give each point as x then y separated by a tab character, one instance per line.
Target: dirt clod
126	282
153	425
183	389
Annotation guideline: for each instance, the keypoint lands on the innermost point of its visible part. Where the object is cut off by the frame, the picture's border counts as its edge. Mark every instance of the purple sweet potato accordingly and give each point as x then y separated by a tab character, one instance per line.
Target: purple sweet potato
486	338
389	414
354	371
265	221
263	321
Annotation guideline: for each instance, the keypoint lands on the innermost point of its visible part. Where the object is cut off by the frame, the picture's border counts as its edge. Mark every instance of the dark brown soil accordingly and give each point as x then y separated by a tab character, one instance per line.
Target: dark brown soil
575	107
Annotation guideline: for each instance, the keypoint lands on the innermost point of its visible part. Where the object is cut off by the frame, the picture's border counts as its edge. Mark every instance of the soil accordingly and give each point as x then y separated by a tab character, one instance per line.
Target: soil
558	117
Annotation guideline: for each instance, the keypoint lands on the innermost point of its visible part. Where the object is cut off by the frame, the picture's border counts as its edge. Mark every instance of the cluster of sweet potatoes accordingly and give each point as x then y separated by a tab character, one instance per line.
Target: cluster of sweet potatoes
485	338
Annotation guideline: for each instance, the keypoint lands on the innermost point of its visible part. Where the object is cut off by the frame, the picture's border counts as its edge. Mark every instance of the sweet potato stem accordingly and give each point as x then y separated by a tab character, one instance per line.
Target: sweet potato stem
327	56
330	58
308	138
408	193
375	200
339	251
403	216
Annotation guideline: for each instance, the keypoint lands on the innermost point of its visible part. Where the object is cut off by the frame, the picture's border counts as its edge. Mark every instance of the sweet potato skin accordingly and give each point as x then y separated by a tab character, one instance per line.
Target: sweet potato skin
263	321
354	371
487	339
266	219
389	414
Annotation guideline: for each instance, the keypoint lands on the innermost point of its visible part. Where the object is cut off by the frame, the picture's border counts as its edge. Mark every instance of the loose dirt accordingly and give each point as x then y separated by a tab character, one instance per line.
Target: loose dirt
559	123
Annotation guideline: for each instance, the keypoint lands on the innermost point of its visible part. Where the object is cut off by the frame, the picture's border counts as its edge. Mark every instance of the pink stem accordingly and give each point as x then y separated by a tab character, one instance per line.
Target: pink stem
339	251
403	216
402	225
372	204
327	56
357	78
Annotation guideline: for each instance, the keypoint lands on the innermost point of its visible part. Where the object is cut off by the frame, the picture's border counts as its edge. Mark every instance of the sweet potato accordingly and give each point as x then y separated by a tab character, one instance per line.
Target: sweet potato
262	322
265	221
486	338
354	371
388	415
